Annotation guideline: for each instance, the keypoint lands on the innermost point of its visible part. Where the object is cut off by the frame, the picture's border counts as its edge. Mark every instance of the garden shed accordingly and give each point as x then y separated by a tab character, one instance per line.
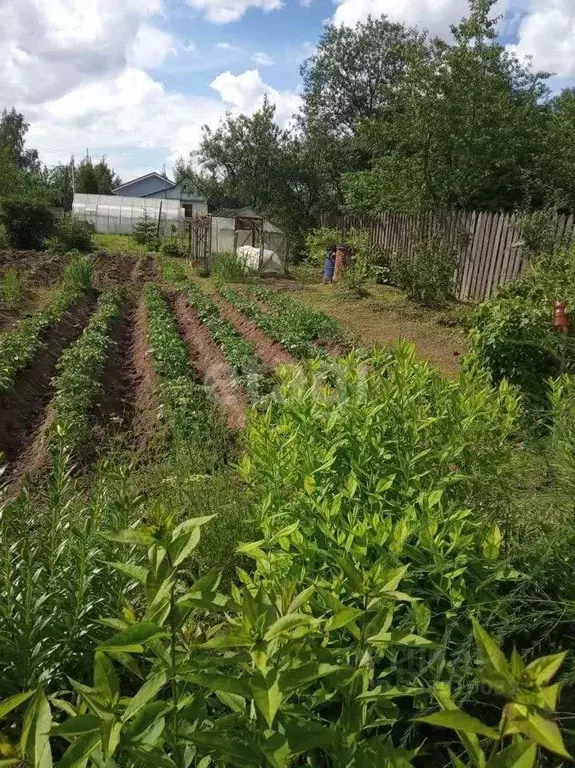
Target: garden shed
111	214
251	238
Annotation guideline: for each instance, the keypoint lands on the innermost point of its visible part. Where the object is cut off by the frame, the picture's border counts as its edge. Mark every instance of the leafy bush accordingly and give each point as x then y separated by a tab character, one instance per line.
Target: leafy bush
427	273
28	224
71	234
318	240
226	268
173	247
512	335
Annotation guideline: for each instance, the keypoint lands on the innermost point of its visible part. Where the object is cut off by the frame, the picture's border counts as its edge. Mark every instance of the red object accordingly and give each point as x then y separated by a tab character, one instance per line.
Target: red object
560	316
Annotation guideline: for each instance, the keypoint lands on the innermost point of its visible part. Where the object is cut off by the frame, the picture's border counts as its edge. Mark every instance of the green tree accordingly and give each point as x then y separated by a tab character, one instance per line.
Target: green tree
97	179
13	130
467	129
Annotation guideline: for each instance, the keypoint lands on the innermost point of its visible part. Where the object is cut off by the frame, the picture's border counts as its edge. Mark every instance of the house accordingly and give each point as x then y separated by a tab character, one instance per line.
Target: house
158	186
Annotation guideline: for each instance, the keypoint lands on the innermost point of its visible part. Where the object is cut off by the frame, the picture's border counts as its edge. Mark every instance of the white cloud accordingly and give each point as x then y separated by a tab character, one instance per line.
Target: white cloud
246	92
226	11
227	47
263	59
547	33
436	15
150	47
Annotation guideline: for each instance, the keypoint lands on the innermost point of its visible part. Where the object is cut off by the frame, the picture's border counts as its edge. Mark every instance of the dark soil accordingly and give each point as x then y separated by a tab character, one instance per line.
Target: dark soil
23	408
209	362
145	381
335	348
112	269
270	352
145	270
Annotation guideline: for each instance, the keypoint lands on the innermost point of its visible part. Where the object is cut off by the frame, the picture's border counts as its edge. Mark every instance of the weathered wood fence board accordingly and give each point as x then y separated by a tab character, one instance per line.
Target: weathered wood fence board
491	249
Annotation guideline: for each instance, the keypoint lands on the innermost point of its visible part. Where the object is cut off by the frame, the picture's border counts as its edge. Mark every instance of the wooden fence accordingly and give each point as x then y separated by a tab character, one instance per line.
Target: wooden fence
492	252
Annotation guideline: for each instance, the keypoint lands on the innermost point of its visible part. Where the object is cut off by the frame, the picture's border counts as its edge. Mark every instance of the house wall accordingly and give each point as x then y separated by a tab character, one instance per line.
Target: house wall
144	187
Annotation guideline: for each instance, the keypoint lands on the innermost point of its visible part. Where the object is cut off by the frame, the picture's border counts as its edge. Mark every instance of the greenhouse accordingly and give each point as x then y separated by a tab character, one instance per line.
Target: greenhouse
111	214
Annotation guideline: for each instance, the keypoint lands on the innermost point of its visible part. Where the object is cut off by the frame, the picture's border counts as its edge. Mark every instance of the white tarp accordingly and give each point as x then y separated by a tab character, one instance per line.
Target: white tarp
249	257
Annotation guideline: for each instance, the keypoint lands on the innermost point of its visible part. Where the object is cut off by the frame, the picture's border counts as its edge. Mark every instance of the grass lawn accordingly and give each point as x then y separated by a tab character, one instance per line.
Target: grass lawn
385	316
119	243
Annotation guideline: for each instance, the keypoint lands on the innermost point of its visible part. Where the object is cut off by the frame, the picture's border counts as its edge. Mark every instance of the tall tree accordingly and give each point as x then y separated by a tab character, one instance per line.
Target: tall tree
97	179
467	129
13	130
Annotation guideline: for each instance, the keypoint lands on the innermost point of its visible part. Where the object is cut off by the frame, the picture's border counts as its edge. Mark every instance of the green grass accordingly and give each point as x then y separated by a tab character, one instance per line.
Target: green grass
122	243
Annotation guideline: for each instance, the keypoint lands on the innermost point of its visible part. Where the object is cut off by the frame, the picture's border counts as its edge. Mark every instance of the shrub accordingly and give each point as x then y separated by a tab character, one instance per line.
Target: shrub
427	272
28	224
512	335
4	239
318	241
71	234
173	247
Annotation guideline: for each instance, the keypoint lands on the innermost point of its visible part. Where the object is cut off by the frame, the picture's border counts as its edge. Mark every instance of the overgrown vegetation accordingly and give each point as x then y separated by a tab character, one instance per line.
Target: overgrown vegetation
226	268
312	324
427	273
27	223
71	234
512	334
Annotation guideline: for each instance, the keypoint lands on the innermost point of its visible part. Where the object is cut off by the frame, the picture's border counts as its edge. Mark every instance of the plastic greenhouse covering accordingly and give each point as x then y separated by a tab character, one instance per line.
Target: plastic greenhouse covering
111	214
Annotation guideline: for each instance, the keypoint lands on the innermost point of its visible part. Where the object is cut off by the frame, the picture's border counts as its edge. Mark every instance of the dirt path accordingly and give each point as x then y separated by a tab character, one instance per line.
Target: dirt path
23	408
209	362
270	352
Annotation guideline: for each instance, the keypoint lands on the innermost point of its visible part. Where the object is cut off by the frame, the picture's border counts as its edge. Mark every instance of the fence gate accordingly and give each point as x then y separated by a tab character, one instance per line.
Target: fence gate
200	241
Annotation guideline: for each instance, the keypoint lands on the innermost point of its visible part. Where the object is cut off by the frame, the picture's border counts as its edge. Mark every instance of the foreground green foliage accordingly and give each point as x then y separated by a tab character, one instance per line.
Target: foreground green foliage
18	347
80	370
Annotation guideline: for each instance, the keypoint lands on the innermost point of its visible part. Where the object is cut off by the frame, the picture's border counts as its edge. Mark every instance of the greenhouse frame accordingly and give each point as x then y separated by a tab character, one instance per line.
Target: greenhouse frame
111	214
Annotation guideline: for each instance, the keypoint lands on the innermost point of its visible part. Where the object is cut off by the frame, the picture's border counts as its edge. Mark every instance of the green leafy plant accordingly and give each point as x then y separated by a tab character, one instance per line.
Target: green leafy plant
80	370
27	223
12	287
71	234
279	327
173	247
18	347
526	722
313	325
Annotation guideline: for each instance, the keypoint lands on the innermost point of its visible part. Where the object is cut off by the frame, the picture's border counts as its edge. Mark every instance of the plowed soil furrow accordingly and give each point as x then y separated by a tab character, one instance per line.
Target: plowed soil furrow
145	270
209	362
270	352
145	381
22	409
115	409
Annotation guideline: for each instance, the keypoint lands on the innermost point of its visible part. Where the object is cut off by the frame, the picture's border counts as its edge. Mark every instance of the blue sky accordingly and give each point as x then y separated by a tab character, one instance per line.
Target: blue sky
136	79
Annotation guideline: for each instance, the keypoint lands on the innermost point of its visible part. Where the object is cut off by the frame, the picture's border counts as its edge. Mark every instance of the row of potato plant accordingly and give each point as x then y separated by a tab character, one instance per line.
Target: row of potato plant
81	367
313	325
185	404
18	347
337	648
240	354
277	326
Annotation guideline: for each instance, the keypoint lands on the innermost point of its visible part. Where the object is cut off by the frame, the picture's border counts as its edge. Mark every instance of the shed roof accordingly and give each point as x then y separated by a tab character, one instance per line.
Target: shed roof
244	213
